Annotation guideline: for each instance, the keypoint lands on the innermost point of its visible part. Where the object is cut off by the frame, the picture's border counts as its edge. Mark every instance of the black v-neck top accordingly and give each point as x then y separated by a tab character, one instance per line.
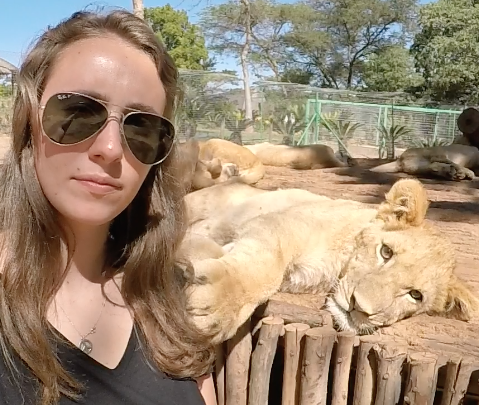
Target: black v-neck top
132	382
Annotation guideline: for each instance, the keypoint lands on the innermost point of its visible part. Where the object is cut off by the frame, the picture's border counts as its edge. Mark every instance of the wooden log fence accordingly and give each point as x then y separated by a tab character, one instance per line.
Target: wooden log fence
321	366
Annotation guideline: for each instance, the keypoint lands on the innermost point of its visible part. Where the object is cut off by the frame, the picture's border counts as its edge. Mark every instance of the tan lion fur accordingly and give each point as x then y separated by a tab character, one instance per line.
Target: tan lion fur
304	157
320	245
451	162
199	174
250	169
206	203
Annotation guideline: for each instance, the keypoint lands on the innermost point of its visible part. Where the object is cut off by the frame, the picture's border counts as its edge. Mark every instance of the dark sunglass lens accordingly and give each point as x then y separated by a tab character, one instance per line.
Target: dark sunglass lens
71	118
149	137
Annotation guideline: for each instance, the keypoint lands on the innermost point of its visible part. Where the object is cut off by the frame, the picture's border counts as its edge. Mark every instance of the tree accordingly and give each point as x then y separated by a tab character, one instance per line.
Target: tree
228	28
390	69
138	8
182	39
334	37
446	50
267	48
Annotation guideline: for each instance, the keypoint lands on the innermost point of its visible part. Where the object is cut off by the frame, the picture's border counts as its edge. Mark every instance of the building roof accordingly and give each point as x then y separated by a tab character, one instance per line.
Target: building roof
7	68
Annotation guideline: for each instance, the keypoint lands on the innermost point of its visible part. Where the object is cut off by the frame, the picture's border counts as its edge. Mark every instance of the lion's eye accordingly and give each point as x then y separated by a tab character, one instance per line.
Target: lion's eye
386	252
416	295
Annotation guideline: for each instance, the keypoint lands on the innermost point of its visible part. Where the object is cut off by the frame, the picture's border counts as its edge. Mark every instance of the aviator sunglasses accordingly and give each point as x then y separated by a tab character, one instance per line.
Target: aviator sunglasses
70	118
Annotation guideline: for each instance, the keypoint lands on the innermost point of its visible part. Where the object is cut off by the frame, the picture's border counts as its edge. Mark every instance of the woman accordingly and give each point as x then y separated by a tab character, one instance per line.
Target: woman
92	216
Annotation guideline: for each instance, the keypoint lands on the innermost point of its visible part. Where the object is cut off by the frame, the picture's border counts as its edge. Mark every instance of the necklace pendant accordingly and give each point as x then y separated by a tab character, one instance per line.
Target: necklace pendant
85	346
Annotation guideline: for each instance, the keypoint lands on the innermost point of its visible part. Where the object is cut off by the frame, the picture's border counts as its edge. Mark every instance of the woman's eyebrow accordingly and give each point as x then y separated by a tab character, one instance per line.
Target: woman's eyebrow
133	106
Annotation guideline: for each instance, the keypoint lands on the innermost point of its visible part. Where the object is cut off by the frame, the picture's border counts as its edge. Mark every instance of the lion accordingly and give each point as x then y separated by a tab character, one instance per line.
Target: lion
198	174
206	203
378	265
452	162
299	157
250	169
457	161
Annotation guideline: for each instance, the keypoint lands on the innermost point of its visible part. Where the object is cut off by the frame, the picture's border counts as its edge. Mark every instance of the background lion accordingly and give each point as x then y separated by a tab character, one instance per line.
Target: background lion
300	157
458	161
250	168
379	264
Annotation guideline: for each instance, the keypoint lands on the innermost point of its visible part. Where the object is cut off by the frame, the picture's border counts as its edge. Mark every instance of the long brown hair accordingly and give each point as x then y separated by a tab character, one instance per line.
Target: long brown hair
145	236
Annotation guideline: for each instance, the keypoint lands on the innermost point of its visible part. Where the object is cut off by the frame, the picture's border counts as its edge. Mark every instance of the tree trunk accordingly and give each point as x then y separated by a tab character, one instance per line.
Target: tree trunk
244	61
138	9
390	149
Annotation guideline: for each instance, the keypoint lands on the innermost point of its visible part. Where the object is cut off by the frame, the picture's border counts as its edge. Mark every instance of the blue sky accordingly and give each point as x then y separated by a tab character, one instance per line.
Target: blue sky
22	21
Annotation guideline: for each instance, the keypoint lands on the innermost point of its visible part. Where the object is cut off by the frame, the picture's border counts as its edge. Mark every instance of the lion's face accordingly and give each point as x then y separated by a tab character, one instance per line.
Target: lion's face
396	271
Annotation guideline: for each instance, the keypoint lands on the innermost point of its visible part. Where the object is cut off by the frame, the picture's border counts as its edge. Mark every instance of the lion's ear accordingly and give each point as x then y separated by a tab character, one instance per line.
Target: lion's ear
406	203
461	303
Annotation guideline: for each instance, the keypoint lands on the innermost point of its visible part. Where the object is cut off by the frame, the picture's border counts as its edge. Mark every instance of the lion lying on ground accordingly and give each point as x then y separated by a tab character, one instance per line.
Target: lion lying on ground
458	161
451	162
198	174
379	265
249	167
303	157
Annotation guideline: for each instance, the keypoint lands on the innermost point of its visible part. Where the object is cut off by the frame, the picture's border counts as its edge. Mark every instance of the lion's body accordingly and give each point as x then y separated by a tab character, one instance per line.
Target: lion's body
458	161
250	168
305	157
306	243
197	173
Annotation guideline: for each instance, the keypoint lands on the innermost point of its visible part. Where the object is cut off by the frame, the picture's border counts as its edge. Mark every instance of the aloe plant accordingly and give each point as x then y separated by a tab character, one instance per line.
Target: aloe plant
429	142
390	135
342	130
289	122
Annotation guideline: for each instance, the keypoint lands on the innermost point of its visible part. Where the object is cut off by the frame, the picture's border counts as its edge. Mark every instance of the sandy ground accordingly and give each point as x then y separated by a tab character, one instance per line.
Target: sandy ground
454	208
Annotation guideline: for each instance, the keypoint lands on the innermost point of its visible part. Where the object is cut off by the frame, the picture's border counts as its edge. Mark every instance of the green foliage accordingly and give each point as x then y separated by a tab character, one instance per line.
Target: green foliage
446	50
341	129
335	37
390	135
390	69
289	121
296	75
182	39
430	141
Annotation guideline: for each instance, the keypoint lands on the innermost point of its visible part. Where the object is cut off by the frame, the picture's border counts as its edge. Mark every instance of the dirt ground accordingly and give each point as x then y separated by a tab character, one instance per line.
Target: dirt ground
454	209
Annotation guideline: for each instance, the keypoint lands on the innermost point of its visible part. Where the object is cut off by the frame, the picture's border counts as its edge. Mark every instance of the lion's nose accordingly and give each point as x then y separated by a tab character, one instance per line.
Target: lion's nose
354	304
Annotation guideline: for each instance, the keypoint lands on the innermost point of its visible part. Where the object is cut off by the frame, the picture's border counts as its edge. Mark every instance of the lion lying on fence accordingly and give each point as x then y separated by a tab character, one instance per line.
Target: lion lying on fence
250	169
300	157
379	265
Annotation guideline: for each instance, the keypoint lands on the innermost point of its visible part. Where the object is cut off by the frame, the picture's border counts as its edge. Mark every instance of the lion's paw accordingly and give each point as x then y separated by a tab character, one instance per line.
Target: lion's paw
215	300
461	173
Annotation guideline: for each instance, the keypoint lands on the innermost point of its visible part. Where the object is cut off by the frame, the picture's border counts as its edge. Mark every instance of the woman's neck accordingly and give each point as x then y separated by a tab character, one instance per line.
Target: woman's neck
87	261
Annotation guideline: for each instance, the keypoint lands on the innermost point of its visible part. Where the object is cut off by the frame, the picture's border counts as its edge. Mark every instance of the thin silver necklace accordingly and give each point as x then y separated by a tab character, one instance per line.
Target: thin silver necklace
85	344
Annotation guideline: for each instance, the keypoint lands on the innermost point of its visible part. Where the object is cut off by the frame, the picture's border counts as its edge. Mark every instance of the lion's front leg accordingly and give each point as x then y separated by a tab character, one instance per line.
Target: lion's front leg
451	170
224	292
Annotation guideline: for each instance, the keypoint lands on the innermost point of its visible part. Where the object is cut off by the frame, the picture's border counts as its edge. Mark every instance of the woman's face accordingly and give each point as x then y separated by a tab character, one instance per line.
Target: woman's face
70	175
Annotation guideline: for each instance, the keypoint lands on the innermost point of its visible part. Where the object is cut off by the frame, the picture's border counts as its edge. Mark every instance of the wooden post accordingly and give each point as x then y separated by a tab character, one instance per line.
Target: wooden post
220	373
462	382
452	368
421	385
262	360
315	368
366	369
342	368
293	352
292	313
237	366
391	357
